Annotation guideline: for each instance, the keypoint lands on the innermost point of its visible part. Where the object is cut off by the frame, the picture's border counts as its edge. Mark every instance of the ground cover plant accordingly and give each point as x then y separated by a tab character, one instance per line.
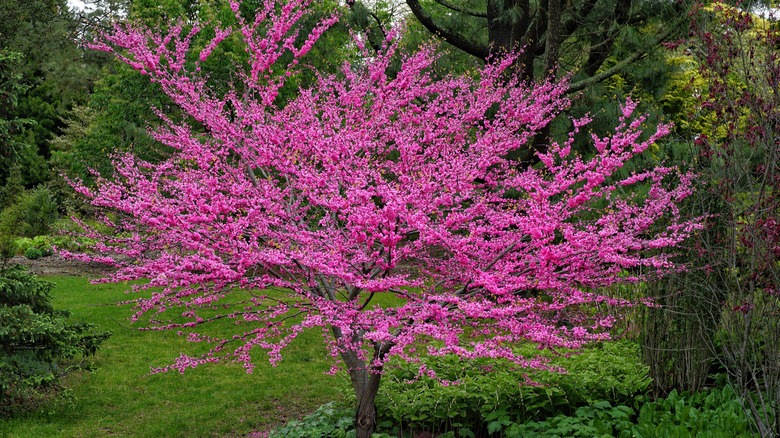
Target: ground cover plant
370	184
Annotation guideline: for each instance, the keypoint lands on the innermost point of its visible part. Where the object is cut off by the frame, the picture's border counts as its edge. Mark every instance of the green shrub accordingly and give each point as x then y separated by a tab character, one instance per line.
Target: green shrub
32	215
40	211
37	344
489	393
8	248
612	371
12	222
33	253
38	244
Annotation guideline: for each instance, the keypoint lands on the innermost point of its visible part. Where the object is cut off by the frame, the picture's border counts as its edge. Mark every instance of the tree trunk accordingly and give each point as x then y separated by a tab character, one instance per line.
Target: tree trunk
365	419
366	385
365	382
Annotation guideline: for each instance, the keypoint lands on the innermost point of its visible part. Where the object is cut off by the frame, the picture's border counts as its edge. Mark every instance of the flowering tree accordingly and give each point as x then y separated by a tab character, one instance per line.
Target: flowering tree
369	184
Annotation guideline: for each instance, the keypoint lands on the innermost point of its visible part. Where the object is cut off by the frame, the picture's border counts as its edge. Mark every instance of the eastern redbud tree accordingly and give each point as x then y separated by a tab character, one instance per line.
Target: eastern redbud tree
371	184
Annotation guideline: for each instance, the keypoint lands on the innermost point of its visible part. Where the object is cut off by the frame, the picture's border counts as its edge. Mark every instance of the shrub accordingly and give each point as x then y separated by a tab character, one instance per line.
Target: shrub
39	246
489	393
38	345
33	253
599	420
40	212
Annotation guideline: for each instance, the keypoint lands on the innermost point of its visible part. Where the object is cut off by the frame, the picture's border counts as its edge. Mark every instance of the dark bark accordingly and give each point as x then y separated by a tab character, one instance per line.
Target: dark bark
366	385
365	380
553	43
457	40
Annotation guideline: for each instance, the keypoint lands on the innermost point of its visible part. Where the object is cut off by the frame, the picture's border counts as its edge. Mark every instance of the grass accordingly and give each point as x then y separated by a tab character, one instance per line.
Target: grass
122	399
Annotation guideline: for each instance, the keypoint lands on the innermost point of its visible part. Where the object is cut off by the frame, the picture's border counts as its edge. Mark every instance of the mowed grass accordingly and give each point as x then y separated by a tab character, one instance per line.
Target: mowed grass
122	399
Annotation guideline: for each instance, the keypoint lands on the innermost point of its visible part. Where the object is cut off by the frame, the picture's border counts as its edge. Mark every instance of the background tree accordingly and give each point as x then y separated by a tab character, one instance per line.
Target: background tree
53	70
11	125
738	57
121	107
367	189
593	39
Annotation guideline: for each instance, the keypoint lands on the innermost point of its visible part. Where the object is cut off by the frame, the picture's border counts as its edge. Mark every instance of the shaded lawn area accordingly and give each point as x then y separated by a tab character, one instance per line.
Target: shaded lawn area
122	399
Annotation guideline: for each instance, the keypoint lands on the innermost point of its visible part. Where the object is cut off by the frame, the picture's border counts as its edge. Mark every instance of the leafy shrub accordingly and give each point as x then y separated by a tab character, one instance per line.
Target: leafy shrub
33	253
32	215
329	420
611	371
68	235
8	248
40	244
37	343
490	393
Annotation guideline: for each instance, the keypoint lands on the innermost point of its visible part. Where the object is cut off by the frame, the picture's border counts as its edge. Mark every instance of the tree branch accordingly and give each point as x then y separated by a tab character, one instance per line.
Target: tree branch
474	49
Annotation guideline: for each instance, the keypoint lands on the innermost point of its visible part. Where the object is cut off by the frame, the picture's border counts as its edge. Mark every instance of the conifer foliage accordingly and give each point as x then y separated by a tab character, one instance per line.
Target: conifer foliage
38	345
368	185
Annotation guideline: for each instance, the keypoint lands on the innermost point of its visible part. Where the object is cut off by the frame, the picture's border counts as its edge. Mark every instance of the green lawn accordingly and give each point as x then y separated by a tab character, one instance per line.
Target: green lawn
122	399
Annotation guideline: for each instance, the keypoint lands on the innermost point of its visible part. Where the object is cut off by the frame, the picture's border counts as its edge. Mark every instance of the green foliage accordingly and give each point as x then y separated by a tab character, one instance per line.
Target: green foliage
40	212
8	249
37	344
332	420
61	238
32	215
13	187
491	392
598	420
716	413
11	124
33	253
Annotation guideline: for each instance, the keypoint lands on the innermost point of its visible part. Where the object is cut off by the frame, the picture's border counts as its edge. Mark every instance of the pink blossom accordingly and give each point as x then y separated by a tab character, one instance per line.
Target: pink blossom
303	205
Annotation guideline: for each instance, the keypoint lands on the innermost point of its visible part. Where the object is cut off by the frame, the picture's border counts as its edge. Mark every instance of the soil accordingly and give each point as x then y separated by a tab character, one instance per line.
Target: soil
56	265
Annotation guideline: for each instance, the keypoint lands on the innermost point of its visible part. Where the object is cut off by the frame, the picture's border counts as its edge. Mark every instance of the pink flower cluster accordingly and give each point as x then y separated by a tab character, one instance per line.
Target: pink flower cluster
367	185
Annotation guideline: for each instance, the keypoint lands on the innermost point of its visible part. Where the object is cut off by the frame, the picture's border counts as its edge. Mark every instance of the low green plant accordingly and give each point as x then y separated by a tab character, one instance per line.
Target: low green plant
333	420
715	413
36	247
598	420
33	253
